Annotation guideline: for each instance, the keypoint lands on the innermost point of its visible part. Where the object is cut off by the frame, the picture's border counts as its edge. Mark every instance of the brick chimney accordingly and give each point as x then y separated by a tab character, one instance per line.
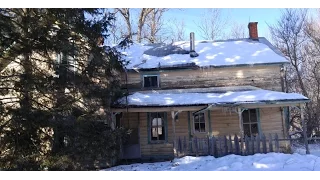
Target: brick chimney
253	30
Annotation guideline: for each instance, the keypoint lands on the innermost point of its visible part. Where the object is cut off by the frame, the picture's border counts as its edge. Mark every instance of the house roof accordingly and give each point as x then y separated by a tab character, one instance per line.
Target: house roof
231	52
190	97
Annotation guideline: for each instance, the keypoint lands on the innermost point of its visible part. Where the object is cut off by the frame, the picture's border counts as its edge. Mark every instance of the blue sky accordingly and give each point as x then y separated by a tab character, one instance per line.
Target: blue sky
263	16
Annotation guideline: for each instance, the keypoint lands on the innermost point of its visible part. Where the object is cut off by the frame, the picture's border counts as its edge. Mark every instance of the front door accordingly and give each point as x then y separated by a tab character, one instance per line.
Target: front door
131	149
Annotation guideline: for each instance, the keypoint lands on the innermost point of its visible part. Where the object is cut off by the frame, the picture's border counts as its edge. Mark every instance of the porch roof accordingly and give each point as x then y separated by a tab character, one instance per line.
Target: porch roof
207	96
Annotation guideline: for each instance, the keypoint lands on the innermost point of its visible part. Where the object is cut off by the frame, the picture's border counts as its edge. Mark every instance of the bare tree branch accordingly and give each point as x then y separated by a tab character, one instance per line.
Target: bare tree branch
238	31
211	26
297	36
178	32
155	25
142	18
125	12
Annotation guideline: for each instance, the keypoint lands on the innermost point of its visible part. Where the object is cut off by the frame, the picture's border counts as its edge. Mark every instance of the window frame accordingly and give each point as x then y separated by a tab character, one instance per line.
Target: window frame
165	127
71	62
150	75
205	124
251	123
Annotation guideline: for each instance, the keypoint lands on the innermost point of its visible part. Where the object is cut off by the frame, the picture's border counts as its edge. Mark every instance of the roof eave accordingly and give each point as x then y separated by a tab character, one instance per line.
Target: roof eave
246	65
210	66
222	104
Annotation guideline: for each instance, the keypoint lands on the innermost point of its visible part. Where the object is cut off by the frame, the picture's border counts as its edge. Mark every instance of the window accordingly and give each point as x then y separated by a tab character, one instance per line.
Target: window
199	123
67	61
150	81
250	122
157	126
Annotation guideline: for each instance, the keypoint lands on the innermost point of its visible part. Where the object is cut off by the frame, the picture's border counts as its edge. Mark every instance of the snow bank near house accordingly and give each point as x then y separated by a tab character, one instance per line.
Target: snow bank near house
257	162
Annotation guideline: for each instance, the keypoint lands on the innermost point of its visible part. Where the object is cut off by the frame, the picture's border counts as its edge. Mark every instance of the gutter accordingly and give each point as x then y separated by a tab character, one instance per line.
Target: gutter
238	104
210	66
297	101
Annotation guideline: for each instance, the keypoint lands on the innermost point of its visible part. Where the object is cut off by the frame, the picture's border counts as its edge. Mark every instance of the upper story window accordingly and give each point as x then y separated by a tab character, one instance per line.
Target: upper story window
67	61
150	81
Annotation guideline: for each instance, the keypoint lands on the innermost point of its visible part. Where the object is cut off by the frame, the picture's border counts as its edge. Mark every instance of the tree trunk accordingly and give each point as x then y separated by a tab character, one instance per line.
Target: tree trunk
142	18
26	64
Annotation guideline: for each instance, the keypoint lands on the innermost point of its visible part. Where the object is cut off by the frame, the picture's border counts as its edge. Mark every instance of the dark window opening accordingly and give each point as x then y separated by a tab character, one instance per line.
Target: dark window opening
150	81
118	120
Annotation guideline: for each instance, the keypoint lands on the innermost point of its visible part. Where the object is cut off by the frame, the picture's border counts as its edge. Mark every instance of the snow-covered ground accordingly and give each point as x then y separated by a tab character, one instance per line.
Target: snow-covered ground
297	161
300	149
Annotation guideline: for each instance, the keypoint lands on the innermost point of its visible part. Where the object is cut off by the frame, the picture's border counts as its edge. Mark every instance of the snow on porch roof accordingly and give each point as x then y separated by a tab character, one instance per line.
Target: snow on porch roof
211	53
171	98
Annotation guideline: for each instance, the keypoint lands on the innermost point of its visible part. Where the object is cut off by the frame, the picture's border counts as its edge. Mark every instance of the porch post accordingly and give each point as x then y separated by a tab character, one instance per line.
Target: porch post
241	126
174	133
304	128
284	127
113	120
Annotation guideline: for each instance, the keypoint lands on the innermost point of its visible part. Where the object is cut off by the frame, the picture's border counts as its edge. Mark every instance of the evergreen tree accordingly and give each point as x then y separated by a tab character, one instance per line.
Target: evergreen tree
60	77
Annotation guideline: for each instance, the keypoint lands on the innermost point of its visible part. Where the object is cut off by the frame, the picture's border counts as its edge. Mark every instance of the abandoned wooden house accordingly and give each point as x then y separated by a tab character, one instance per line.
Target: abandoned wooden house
201	89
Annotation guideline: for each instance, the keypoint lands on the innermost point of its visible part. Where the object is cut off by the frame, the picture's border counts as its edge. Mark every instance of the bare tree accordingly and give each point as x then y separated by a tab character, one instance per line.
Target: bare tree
312	69
177	30
142	18
116	32
212	24
155	25
238	31
298	40
148	25
125	12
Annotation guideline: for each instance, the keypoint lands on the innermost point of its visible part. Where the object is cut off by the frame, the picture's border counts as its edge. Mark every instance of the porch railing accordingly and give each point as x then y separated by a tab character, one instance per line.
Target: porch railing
223	145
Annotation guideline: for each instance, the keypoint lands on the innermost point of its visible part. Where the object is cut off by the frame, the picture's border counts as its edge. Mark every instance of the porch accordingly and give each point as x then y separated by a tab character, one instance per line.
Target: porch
209	123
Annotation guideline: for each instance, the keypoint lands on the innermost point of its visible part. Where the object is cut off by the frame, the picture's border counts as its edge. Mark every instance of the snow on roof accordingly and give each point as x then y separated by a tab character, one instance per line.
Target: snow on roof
231	97
211	53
